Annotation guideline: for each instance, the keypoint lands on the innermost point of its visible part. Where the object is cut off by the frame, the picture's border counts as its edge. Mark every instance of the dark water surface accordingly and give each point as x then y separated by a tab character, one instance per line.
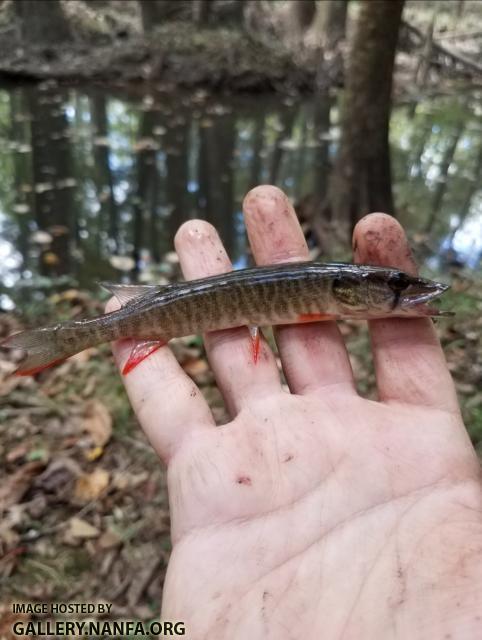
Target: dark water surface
93	184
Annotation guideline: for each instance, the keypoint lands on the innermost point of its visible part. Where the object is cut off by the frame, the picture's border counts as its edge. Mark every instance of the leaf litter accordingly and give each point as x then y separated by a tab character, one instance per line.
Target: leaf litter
83	500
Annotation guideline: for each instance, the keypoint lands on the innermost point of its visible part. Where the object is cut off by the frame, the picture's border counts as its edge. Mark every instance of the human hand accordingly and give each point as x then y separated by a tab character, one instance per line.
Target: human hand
315	513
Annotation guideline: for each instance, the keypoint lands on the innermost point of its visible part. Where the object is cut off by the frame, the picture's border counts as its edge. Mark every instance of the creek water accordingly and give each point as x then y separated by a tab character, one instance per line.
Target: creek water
94	182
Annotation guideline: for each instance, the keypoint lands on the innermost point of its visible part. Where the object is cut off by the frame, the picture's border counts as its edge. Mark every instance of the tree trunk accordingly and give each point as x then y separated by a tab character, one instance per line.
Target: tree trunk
215	167
154	12
418	141
422	70
287	118
299	16
201	11
257	142
145	199
42	21
441	188
331	22
176	147
321	162
103	174
469	196
55	207
362	178
19	133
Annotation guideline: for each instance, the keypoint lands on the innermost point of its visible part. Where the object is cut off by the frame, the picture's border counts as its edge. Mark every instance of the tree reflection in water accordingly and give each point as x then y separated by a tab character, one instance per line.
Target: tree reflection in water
95	185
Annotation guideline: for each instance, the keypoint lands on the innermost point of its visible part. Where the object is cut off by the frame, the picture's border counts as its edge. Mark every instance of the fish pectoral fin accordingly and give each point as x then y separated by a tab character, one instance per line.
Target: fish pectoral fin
254	332
126	293
140	352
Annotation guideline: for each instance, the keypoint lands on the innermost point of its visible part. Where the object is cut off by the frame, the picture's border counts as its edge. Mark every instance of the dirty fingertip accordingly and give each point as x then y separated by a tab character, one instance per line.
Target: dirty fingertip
379	239
193	232
263	199
273	229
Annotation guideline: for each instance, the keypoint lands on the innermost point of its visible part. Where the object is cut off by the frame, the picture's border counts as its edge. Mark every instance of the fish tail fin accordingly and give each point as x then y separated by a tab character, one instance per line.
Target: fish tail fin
40	347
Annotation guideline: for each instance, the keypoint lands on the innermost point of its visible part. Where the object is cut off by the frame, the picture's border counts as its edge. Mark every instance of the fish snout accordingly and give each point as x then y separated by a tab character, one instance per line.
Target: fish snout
419	293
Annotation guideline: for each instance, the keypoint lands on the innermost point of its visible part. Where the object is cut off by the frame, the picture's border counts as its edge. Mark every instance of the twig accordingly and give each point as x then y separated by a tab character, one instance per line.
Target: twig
460	36
144	579
440	51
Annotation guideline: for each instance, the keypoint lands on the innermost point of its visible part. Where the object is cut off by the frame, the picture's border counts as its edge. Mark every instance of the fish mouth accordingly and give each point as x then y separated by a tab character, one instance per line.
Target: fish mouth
420	293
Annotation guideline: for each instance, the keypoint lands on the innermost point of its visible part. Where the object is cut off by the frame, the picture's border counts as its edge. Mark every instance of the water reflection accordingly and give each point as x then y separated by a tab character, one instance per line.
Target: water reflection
94	185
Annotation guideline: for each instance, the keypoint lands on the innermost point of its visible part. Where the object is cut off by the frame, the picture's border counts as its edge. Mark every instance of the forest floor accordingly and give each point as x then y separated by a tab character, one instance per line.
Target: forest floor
83	503
82	494
109	46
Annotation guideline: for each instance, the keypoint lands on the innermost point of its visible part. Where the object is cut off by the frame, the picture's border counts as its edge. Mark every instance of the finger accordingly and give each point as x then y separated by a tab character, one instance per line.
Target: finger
165	400
239	378
313	355
409	361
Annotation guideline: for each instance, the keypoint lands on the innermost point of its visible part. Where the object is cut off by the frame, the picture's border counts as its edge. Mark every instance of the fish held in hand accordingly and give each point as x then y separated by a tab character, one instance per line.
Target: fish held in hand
260	296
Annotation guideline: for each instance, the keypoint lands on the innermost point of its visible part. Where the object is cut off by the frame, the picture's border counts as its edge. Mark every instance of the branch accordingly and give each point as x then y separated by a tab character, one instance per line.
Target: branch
442	52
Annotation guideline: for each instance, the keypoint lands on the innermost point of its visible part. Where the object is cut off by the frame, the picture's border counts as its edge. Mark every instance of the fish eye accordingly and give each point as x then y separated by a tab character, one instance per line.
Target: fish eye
399	281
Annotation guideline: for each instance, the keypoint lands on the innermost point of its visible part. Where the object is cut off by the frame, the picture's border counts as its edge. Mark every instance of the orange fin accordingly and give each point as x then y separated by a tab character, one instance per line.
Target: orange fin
315	317
34	370
140	352
255	341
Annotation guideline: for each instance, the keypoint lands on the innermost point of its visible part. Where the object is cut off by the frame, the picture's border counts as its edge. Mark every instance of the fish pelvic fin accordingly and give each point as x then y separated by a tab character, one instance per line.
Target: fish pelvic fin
254	334
140	352
40	350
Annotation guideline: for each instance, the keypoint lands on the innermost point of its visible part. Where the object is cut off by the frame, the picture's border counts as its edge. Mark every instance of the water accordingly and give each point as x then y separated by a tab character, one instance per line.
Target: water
94	183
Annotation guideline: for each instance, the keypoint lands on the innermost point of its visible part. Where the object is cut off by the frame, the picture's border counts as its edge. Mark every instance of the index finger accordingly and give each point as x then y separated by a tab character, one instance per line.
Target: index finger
409	361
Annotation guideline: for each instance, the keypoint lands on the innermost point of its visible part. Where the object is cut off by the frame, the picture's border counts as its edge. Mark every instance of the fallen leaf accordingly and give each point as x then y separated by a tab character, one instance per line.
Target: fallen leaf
171	257
89	486
9	560
101	141
93	454
81	530
108	540
8	619
66	182
145	144
21	208
58	476
41	237
50	258
15	486
18	452
97	422
41	187
58	230
122	263
123	480
198	370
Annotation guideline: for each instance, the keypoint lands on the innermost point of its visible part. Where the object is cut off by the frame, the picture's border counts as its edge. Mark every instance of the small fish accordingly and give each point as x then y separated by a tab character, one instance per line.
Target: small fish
271	295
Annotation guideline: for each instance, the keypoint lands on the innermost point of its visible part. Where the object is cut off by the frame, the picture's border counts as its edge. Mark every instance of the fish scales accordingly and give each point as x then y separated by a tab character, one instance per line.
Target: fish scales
280	294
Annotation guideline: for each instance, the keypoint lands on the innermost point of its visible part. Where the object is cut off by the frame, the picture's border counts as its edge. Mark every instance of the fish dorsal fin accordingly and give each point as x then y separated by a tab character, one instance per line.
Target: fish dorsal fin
126	293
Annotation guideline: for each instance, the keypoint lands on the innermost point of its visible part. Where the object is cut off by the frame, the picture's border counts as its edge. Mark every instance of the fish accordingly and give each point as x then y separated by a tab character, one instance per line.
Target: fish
295	292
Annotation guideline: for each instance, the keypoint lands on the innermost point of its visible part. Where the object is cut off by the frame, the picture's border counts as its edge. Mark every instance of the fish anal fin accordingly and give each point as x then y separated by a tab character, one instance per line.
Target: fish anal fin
140	352
126	293
35	370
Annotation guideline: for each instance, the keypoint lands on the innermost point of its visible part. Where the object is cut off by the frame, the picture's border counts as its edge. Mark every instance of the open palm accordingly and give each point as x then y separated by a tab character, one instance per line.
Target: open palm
315	513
